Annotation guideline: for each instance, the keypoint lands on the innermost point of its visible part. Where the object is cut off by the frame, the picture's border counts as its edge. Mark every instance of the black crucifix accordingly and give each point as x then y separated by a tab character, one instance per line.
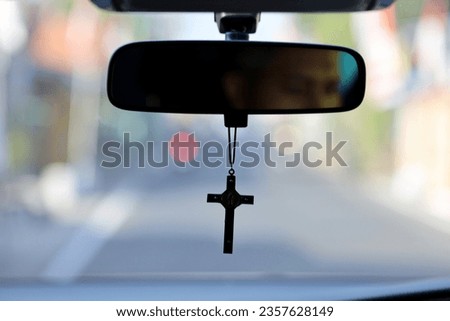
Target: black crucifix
230	199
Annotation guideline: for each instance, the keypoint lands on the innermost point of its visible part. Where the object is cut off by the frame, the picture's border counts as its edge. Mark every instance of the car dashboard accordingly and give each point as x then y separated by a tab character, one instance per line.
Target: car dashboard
196	288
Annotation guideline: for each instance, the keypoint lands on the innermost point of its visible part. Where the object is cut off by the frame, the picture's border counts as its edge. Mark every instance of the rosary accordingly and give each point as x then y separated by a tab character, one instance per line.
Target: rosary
230	199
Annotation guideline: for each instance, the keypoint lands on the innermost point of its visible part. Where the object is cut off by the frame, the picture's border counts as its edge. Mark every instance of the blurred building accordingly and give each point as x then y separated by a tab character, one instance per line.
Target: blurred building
377	38
423	124
68	55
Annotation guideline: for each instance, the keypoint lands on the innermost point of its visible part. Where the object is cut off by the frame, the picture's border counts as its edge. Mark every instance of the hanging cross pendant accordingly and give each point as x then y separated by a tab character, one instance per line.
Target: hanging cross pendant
230	199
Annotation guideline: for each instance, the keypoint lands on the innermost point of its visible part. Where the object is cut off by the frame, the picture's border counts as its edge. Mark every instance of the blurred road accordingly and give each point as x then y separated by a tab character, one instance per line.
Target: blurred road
301	222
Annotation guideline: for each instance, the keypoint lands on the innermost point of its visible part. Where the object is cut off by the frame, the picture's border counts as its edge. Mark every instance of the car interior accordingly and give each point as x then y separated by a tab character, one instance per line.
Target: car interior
225	150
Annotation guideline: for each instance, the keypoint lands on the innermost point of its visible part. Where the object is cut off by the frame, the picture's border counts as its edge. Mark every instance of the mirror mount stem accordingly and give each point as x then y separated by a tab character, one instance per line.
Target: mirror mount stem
237	23
236	36
236	119
237	27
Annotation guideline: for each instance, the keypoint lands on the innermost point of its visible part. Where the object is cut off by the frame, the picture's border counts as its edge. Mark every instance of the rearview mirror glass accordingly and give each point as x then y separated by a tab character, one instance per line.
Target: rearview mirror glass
218	77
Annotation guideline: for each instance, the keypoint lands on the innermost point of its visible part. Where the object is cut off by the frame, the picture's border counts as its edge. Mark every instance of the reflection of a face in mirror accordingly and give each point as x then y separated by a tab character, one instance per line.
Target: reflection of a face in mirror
289	78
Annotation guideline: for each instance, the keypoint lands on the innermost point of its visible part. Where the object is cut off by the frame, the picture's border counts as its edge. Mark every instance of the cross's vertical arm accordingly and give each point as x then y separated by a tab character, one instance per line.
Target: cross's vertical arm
228	231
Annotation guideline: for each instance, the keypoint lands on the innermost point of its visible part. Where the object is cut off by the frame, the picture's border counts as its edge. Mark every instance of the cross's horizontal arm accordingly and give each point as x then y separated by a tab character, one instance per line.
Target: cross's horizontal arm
213	198
247	199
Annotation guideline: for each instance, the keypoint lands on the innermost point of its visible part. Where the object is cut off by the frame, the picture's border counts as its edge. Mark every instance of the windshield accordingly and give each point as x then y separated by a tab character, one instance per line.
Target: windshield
90	190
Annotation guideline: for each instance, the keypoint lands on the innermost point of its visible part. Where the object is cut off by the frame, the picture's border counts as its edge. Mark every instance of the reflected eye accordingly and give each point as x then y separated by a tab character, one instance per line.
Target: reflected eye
295	89
296	86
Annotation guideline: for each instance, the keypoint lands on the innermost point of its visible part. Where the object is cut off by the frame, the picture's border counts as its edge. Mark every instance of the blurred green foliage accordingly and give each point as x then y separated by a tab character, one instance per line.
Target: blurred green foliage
328	28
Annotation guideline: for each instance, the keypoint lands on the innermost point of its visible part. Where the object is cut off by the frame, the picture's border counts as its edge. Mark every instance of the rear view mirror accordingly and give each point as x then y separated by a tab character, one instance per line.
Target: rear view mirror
218	77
